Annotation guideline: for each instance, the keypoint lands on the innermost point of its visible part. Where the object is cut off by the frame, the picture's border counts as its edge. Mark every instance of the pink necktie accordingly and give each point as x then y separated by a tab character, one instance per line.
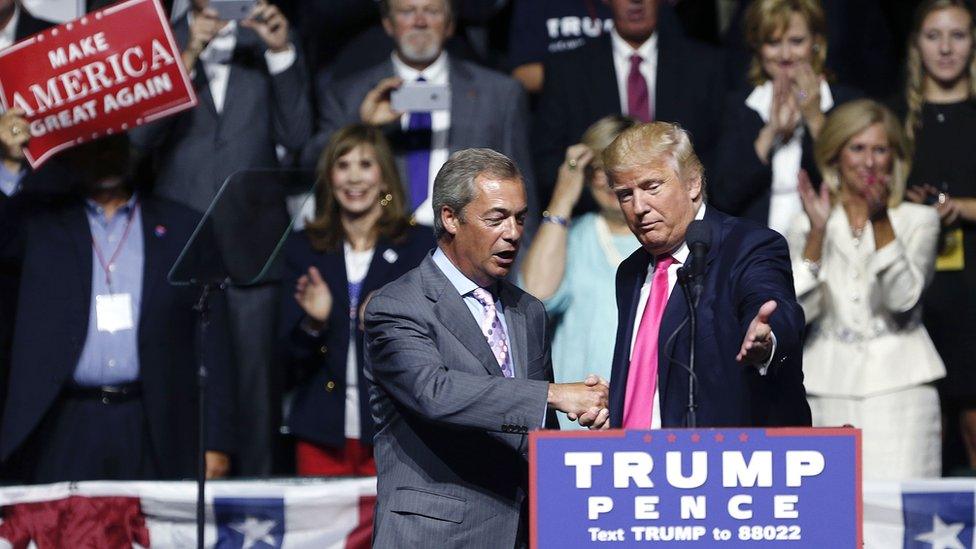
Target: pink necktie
642	376
493	330
638	98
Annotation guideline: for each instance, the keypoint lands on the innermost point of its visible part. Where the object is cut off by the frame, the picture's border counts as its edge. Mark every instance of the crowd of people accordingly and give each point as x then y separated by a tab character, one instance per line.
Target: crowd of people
797	122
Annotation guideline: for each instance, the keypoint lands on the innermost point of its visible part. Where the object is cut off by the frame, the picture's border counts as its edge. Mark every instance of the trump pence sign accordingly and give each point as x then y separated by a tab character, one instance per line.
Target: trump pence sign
105	72
697	488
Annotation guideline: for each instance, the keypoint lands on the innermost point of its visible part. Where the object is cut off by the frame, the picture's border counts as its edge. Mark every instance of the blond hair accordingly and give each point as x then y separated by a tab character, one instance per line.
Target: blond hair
766	19
644	143
914	92
850	119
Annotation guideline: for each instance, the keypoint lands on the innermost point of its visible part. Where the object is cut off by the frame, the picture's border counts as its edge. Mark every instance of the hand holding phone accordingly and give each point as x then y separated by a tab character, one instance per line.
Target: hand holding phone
421	97
232	10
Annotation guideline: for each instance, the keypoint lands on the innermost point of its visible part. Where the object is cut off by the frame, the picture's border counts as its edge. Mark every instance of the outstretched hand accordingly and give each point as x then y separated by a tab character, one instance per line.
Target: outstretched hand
758	342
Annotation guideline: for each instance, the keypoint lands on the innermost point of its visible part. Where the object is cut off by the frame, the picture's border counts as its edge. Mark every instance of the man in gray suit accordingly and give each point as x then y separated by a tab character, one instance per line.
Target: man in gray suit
460	371
487	108
254	94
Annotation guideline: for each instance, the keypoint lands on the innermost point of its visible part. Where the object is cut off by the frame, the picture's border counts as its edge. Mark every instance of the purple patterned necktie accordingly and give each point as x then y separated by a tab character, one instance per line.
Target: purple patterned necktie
638	96
418	155
491	326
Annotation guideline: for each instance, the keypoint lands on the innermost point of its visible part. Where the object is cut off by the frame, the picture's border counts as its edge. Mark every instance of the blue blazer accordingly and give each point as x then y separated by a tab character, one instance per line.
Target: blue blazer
746	266
318	410
52	322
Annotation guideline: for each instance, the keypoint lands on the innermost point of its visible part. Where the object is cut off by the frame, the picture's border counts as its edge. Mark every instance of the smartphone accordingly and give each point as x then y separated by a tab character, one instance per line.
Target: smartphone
421	97
232	10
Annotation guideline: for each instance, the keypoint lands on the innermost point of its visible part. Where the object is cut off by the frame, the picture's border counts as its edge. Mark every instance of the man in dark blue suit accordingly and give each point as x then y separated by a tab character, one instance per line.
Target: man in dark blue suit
645	68
749	344
102	377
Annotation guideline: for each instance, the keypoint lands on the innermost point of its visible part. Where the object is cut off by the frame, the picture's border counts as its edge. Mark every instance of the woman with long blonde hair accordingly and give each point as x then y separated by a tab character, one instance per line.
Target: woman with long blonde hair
862	259
941	119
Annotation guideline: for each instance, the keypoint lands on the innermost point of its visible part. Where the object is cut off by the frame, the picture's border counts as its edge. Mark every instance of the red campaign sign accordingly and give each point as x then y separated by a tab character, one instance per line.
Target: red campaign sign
105	72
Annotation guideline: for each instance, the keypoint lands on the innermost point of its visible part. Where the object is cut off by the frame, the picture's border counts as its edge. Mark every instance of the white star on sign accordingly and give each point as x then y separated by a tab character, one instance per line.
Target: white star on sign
254	531
943	536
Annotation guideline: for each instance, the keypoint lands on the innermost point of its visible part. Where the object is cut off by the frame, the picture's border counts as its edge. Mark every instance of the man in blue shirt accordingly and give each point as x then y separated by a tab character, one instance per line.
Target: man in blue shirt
102	377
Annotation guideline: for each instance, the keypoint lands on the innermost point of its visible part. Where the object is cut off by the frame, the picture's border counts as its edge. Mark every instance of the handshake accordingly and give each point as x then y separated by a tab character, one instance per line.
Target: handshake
585	401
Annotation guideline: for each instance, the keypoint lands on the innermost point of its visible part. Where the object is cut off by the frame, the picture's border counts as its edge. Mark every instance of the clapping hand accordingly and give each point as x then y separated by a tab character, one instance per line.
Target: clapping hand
876	193
270	24
784	115
377	107
816	205
313	296
806	89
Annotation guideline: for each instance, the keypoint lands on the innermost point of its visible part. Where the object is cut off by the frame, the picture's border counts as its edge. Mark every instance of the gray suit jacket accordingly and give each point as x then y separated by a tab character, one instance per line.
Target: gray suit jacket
488	109
194	151
451	440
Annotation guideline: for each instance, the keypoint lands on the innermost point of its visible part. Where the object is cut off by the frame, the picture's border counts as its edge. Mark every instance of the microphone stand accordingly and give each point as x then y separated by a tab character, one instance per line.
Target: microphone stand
202	308
685	279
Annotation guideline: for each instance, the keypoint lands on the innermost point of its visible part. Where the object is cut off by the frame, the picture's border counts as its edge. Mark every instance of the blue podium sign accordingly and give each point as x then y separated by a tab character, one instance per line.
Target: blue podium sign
696	487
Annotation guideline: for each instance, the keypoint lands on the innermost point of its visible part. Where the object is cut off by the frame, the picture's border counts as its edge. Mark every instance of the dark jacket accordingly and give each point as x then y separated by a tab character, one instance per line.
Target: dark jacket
740	184
747	265
581	87
52	320
318	410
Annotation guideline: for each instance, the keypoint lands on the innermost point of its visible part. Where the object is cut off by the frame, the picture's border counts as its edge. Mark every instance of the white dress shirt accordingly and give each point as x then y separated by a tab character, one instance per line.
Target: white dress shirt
216	58
784	199
621	62
680	256
440	121
357	266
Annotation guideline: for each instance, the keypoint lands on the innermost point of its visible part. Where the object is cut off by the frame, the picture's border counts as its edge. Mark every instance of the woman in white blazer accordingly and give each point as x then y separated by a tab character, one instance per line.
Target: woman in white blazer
861	261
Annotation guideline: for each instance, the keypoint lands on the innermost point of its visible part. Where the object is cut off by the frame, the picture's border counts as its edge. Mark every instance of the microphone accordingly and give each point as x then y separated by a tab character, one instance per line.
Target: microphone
699	239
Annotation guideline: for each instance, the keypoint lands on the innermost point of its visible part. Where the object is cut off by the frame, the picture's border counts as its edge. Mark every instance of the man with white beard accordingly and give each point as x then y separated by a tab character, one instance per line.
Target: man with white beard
487	108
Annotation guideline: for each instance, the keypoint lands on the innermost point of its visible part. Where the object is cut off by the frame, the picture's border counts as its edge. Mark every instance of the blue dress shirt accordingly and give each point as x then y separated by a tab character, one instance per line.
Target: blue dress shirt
112	358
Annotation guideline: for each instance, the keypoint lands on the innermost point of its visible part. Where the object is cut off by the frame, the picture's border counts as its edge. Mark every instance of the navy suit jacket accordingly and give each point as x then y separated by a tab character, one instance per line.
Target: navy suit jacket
52	321
319	408
741	184
581	87
746	266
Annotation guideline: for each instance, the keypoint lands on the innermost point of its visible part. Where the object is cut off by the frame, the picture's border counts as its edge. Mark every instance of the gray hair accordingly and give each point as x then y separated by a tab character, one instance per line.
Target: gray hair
454	185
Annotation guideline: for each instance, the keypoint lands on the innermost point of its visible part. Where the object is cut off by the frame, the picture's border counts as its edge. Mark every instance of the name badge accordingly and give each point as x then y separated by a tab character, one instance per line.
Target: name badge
114	312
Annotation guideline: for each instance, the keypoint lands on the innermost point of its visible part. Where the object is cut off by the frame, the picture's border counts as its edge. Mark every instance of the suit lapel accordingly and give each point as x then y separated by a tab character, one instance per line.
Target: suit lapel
456	317
604	82
154	262
677	311
246	39
464	104
384	257
517	332
666	89
75	225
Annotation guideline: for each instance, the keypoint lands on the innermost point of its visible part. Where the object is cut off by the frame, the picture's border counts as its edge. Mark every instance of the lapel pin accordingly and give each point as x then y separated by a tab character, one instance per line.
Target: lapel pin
390	256
160	231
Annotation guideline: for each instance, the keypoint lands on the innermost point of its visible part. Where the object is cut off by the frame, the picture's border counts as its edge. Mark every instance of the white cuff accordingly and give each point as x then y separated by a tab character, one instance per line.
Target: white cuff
765	367
279	62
